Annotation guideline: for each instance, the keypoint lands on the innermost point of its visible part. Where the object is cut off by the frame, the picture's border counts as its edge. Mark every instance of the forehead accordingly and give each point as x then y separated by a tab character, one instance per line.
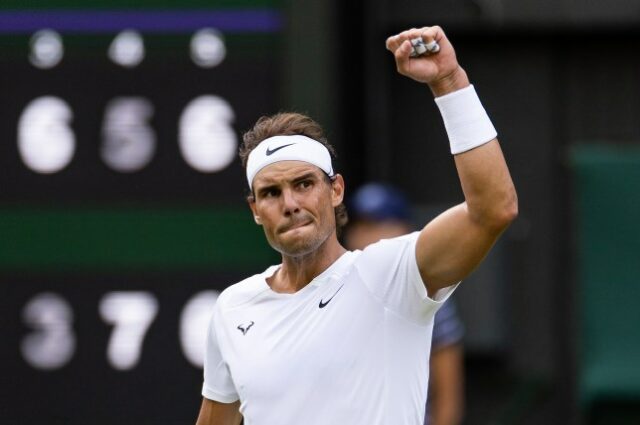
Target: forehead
283	171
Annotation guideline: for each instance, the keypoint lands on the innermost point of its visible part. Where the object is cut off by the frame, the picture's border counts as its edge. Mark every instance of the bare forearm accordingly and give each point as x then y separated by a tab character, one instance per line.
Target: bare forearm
488	189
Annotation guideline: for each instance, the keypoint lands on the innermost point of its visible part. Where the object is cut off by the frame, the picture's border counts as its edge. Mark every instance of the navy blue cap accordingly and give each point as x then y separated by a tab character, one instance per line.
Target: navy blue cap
379	201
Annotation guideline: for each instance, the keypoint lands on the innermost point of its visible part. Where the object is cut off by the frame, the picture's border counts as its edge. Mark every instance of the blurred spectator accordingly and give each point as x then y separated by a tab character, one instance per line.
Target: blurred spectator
378	211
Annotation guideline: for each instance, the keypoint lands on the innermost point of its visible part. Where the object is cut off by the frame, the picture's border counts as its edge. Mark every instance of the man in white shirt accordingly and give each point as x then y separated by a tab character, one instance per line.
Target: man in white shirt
332	336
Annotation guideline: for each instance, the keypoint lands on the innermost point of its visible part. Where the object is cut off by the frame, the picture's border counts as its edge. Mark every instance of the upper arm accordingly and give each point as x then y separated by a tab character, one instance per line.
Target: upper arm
216	413
451	246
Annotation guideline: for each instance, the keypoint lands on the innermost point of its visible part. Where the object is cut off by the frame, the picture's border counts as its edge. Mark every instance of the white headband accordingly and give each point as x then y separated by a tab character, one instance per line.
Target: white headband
288	148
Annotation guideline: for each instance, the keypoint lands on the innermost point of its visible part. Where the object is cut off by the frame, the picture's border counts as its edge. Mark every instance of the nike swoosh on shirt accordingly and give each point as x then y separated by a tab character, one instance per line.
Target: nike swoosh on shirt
272	151
323	304
245	328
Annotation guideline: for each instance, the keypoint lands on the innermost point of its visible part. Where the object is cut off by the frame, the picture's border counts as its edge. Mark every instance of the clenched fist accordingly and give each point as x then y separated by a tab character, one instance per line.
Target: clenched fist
440	70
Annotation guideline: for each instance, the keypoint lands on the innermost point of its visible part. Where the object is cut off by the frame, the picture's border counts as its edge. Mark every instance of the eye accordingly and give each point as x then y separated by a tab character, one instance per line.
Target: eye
269	193
305	184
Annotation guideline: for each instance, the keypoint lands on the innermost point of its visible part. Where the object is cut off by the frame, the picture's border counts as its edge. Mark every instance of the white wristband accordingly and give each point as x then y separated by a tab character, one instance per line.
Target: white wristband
467	123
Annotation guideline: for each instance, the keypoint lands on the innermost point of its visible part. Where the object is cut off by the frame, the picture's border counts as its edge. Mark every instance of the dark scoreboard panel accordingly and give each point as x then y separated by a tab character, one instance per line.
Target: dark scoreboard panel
104	349
122	212
131	115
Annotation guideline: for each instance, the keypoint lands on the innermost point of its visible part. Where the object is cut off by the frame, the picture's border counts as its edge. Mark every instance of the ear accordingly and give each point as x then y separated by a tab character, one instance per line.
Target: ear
254	211
337	190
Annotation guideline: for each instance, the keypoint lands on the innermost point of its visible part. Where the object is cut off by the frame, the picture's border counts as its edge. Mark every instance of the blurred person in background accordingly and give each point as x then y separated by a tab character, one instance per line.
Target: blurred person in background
332	336
380	211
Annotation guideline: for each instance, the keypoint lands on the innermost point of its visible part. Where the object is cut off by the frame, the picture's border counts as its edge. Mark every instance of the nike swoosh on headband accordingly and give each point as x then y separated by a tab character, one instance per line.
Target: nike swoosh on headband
272	151
300	148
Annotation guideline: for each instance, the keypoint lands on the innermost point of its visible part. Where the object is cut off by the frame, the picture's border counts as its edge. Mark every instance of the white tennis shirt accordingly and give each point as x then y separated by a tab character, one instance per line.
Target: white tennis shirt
351	347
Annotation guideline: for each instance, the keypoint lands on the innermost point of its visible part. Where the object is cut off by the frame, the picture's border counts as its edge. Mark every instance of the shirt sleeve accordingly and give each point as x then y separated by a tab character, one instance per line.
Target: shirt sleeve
218	385
390	271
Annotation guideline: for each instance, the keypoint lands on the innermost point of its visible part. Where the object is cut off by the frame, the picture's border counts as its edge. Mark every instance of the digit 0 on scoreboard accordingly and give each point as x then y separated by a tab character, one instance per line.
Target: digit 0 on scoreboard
122	209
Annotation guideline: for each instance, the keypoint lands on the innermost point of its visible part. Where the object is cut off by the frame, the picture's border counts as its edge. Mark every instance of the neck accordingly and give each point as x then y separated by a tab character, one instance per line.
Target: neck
297	271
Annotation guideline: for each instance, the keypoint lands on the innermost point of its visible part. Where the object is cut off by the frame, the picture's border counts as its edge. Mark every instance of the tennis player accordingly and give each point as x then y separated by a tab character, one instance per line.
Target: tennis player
331	336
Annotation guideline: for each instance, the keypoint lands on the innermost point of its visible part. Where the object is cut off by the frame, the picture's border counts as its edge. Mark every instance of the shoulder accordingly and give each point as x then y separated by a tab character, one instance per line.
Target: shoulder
388	258
389	248
244	292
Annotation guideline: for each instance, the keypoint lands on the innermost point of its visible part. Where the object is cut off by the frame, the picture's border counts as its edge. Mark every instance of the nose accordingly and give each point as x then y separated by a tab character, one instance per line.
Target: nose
289	203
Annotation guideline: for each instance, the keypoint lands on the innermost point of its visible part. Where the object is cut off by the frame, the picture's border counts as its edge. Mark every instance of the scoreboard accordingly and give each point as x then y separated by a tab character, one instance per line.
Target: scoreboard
122	211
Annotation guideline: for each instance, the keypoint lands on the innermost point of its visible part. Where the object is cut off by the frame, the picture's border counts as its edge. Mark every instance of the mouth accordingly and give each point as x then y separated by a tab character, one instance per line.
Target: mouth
295	226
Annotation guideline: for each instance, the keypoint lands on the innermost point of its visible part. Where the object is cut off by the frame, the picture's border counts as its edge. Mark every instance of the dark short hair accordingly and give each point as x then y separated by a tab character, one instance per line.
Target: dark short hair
288	124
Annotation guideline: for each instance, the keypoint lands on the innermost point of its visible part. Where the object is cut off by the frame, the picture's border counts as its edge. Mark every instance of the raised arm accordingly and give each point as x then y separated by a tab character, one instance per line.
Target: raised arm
216	413
453	244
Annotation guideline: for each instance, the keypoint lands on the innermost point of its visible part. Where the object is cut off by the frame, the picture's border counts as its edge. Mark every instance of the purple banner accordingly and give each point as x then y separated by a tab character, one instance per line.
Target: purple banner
107	21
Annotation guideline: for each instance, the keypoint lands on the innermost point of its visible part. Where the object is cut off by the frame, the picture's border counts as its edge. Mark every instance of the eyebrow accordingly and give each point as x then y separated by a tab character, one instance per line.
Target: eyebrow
270	186
265	189
305	176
